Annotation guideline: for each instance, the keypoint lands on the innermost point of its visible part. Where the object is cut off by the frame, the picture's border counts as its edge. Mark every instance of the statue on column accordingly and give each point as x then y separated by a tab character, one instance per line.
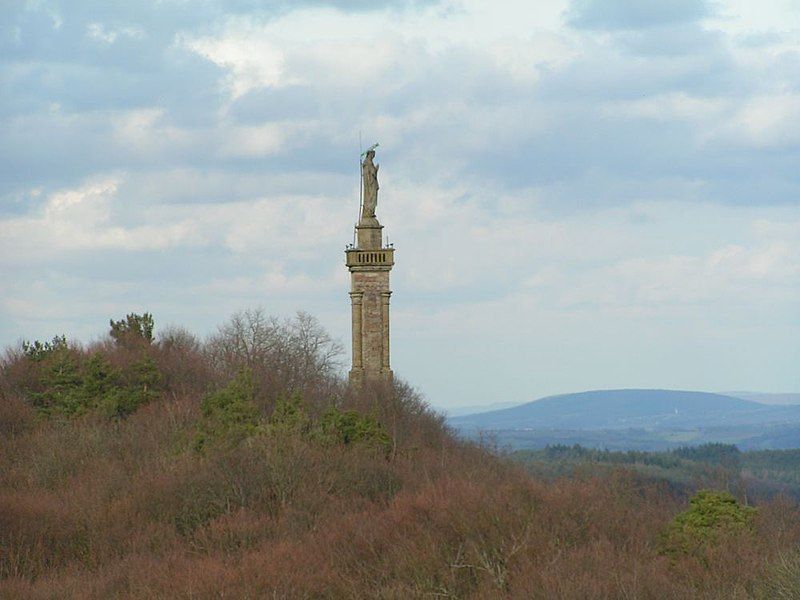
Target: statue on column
369	175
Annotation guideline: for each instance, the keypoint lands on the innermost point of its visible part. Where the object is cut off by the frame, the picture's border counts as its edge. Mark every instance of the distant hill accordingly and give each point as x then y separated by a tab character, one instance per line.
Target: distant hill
630	409
459	411
765	398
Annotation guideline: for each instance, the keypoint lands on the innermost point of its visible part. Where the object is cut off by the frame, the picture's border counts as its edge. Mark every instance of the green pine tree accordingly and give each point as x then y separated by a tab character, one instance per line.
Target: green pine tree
229	415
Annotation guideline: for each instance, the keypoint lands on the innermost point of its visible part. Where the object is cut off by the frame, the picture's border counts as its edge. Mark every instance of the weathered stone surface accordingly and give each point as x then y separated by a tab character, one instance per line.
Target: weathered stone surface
368	235
369	263
369	293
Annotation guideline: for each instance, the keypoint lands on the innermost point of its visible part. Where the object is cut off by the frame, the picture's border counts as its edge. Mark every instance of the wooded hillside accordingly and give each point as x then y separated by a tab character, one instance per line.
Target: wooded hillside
155	465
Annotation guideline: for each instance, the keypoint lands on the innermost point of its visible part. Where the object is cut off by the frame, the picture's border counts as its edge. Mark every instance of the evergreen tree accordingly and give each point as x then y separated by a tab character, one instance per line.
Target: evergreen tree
229	415
133	330
289	415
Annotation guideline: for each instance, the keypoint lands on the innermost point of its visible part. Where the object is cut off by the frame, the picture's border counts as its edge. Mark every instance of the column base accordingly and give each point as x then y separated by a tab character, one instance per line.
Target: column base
359	376
356	376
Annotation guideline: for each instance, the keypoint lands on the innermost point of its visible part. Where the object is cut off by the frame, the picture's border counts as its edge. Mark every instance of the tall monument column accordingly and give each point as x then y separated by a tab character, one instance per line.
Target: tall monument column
369	262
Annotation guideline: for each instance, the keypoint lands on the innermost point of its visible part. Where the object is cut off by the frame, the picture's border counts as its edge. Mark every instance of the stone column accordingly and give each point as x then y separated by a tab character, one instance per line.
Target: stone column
356	299
385	318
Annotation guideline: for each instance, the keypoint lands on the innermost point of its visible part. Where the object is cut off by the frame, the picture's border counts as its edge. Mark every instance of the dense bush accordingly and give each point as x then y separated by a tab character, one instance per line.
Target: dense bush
350	427
63	380
711	519
229	415
290	416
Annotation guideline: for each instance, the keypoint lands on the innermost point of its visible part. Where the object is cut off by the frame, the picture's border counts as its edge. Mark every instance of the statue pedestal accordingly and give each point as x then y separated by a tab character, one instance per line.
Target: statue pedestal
369	264
368	234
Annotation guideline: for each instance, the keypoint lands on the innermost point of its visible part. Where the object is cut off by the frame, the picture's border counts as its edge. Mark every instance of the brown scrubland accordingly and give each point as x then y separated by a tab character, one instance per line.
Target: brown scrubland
242	466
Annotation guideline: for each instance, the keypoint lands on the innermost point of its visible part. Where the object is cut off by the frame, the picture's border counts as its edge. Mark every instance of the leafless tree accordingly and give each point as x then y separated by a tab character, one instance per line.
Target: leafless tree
285	355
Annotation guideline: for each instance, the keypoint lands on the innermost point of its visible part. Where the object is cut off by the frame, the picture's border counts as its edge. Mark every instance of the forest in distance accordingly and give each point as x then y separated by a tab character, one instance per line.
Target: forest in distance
154	464
754	473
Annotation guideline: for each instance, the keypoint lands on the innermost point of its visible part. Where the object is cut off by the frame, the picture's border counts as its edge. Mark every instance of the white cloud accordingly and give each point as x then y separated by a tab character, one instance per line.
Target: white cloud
276	280
603	264
253	61
146	132
81	219
745	17
768	121
380	51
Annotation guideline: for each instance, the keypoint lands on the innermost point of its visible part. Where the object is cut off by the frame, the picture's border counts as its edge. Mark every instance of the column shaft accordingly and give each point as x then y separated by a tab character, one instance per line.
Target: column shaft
385	320
356	300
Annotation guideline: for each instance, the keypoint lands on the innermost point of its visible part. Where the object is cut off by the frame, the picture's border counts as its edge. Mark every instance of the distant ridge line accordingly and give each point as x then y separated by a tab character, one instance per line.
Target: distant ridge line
629	408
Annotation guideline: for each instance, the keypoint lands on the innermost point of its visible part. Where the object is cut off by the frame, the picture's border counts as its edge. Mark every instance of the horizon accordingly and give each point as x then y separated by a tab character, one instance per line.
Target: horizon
582	194
503	405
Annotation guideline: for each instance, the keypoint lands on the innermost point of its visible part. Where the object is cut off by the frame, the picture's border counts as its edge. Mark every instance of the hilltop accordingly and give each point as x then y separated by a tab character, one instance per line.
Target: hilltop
767	398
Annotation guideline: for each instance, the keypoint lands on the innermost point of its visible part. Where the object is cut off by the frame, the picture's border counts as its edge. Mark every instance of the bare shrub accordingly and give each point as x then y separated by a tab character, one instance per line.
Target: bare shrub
16	416
285	356
782	580
182	363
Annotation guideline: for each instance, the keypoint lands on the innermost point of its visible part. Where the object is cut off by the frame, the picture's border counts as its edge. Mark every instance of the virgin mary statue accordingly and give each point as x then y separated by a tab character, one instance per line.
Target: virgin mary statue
369	174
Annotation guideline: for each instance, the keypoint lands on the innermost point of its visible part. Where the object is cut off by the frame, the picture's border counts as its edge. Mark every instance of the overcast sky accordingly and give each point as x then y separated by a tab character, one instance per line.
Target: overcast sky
582	194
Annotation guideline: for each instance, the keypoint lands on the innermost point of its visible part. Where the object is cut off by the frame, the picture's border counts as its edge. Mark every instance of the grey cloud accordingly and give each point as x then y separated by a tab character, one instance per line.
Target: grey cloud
186	88
271	104
633	66
634	14
216	185
38	26
68	67
675	40
49	55
593	160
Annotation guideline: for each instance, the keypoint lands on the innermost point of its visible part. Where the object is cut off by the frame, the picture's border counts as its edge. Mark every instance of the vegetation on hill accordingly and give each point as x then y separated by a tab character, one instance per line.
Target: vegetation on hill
752	474
155	465
711	519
